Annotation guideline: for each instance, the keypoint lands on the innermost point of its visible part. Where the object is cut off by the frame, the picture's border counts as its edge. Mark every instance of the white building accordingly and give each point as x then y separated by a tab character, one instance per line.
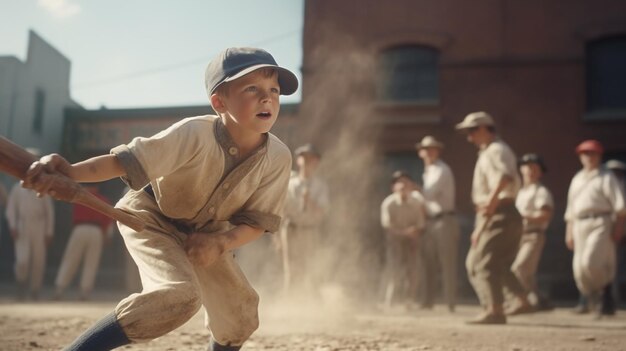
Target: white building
33	96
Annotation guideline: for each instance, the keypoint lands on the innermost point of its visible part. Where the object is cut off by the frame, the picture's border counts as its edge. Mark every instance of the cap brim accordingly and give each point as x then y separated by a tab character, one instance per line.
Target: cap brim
286	79
466	125
436	146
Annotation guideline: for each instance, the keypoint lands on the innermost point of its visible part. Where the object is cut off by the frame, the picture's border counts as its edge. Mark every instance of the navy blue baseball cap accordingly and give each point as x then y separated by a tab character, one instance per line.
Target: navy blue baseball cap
234	63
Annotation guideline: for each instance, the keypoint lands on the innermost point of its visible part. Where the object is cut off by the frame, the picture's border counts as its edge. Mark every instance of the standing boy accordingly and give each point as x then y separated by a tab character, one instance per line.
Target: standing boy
204	186
595	218
305	208
442	230
31	225
498	227
534	202
402	218
90	233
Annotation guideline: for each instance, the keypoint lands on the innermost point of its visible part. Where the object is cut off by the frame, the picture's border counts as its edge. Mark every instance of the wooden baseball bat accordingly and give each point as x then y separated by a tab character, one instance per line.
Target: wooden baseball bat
16	161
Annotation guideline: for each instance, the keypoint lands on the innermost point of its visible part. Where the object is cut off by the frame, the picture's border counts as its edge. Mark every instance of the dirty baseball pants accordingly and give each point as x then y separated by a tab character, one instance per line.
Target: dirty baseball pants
85	245
440	249
527	260
30	259
174	289
489	262
594	254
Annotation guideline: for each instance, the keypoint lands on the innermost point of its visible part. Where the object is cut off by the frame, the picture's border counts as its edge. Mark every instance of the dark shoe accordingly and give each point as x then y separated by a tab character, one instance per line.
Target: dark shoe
544	305
214	346
489	319
520	309
581	309
451	308
608	303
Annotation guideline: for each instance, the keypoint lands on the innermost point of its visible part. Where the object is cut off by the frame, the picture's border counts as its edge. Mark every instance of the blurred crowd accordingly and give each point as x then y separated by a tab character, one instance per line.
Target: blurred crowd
421	230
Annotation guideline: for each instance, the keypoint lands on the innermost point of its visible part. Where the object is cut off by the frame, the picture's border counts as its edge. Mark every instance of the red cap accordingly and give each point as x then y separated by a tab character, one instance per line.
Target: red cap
590	146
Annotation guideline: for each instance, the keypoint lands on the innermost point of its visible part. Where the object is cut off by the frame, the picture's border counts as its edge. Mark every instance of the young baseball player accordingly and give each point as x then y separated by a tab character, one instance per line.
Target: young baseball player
534	202
595	218
440	244
498	227
90	233
402	218
203	187
31	225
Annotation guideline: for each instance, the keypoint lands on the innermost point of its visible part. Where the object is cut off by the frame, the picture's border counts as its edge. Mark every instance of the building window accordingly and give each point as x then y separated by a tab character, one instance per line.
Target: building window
40	102
409	74
606	76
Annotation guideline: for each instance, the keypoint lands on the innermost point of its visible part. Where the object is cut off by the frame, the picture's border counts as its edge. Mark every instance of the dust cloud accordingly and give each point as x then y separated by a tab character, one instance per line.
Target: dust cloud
338	120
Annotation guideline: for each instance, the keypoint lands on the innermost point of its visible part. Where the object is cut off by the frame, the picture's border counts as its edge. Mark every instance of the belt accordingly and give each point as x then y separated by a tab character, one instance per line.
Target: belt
440	215
594	215
181	227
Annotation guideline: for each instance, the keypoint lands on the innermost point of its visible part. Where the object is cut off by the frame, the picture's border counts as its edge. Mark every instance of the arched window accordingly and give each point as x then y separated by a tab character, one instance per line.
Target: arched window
408	73
606	74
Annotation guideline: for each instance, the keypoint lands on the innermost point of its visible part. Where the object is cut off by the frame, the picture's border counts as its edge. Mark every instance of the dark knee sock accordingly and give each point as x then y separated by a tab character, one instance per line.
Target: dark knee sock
214	346
105	335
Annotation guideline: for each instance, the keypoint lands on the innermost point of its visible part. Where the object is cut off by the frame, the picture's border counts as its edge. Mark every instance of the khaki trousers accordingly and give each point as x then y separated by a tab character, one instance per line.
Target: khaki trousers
30	259
174	289
489	262
85	245
440	249
527	260
594	254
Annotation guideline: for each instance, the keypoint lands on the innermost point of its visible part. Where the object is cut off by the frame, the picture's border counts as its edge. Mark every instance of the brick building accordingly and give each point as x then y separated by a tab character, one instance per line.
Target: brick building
552	73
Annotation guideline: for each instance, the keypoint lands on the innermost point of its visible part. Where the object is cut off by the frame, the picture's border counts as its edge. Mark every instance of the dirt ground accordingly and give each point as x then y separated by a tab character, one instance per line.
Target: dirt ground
49	325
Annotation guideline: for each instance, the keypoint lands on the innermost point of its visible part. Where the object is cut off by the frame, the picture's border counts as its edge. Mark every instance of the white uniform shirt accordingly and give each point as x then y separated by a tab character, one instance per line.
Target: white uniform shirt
200	180
296	211
395	214
438	188
494	162
529	202
592	193
29	214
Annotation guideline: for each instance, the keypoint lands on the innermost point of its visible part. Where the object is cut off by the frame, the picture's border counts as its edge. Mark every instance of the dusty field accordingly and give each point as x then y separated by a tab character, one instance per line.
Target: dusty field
48	325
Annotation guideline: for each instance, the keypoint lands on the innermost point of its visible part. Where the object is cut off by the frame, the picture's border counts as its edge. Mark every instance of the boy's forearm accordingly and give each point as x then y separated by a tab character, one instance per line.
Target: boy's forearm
97	169
241	235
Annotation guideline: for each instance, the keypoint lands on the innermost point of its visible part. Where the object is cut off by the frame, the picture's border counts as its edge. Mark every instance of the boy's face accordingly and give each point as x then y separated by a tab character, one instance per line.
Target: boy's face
531	172
252	101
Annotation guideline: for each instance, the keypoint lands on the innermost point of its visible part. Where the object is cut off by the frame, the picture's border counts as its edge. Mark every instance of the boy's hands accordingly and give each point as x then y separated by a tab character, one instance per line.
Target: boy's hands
48	164
204	249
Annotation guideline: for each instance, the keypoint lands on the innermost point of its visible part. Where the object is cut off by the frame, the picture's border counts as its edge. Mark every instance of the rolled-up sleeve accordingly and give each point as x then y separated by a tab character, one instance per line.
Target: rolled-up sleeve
503	161
146	159
263	209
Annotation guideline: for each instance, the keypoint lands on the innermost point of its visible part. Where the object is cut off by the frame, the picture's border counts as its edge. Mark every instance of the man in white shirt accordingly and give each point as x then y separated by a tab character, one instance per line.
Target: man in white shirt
534	202
498	227
595	217
31	225
402	218
440	242
306	207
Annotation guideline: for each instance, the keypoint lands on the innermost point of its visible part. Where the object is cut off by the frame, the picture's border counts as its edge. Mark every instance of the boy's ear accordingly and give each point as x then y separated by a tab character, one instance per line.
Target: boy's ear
217	103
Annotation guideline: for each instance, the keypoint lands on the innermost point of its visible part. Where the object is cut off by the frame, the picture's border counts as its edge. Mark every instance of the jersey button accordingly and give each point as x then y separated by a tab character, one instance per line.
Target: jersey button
226	186
233	151
212	210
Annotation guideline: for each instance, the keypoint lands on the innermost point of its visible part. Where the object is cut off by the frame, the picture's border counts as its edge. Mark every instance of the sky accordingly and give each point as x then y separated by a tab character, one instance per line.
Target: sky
148	53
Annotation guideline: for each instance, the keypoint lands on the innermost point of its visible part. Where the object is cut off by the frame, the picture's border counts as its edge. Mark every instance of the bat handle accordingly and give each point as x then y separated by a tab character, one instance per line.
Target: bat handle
88	199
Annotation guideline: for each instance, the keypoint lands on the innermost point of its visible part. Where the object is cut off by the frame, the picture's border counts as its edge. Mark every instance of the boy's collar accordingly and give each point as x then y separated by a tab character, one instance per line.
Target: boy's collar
228	144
